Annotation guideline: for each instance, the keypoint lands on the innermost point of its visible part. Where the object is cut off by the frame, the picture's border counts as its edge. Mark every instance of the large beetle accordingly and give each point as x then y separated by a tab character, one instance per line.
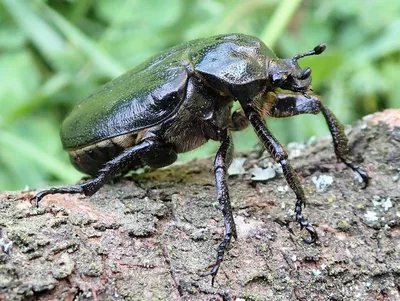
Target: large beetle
178	100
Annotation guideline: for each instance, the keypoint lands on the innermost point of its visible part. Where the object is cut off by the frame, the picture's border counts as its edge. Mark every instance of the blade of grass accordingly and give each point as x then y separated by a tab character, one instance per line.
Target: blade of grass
42	35
240	11
280	19
93	50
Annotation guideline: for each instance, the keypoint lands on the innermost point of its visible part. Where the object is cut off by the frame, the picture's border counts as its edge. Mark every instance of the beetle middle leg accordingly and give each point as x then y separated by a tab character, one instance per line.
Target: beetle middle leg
221	164
280	155
152	153
287	105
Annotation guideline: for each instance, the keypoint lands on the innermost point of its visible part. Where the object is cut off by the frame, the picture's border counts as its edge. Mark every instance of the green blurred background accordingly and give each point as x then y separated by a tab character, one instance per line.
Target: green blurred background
54	53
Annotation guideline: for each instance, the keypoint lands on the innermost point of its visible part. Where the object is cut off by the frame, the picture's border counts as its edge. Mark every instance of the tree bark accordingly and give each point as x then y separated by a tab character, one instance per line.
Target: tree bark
150	236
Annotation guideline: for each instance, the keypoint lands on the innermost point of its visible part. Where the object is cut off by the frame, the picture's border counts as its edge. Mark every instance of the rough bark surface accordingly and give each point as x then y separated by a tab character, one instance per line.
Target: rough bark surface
150	236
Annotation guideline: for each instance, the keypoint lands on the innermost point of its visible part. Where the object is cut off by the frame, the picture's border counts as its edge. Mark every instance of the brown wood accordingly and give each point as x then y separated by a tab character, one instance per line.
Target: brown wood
151	237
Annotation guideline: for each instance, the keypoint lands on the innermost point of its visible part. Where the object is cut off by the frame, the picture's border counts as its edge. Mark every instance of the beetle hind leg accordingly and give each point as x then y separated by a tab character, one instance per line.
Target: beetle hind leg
152	153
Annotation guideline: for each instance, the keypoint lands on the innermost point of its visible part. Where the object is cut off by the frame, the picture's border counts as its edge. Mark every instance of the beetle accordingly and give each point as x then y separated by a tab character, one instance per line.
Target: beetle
178	100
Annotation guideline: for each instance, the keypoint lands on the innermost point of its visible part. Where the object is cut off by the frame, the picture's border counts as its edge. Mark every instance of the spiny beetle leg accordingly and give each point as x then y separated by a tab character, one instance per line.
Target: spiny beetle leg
222	161
340	143
279	154
287	105
106	174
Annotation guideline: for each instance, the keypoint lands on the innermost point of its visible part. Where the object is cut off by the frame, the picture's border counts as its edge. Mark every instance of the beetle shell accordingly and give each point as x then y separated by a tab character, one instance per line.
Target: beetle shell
169	93
155	90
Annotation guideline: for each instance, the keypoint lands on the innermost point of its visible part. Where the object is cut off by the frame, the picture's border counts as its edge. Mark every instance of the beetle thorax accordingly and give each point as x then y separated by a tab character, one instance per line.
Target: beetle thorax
201	117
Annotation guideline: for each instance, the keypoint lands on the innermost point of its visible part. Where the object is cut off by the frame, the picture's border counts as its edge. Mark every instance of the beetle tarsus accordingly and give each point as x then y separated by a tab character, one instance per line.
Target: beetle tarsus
340	143
294	183
362	173
287	105
114	167
305	224
69	190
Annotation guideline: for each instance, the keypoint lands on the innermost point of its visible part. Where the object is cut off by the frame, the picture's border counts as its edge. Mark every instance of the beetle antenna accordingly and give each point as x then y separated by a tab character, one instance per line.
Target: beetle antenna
317	50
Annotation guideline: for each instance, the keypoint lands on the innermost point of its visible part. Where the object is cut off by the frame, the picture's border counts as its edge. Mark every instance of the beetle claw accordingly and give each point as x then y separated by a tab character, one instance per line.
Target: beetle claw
362	173
364	176
213	273
313	234
38	197
305	224
310	240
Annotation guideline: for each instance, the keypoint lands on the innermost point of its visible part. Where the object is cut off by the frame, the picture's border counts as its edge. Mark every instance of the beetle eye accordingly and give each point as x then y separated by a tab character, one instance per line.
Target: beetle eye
278	79
305	73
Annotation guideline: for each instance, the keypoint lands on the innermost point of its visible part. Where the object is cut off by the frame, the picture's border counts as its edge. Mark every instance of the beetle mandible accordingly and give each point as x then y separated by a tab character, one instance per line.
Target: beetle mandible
180	99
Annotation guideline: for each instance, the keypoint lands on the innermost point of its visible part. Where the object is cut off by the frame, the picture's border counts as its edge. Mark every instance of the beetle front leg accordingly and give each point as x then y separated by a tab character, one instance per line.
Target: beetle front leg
340	143
107	173
287	105
280	155
221	164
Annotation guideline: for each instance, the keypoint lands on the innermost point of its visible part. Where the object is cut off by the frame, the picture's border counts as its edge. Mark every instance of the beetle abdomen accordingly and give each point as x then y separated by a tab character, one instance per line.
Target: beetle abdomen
90	159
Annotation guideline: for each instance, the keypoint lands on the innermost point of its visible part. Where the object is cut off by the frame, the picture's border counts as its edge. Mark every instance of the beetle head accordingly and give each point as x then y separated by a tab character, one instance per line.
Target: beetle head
288	75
